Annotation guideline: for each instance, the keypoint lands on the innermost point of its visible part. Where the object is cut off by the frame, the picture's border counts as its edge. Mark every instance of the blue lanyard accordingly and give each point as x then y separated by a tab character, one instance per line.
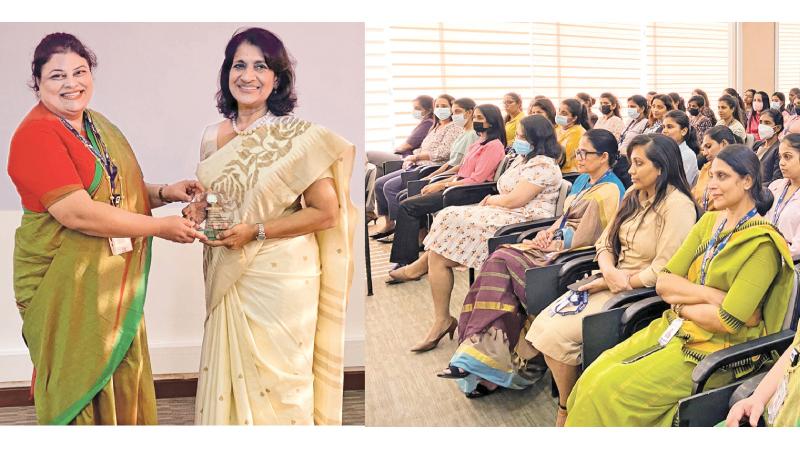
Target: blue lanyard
714	248
580	195
776	214
578	299
705	198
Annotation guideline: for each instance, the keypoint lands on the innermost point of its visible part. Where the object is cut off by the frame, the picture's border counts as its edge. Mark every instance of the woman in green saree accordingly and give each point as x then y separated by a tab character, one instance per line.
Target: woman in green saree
82	251
728	283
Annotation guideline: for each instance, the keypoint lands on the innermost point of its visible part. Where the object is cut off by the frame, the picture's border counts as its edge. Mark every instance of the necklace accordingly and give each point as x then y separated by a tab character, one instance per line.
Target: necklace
261	121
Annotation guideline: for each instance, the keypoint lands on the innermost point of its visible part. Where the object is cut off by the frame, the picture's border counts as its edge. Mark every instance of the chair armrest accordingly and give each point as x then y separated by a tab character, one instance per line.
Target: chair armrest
410	175
424	171
541	287
746	389
575	268
641	312
415	187
392	166
509	234
601	331
628	297
468	194
583	254
570	176
530	233
497	241
779	342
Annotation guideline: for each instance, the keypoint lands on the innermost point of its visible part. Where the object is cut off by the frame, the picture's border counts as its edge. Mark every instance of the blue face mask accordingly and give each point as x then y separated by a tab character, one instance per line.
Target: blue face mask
521	147
562	120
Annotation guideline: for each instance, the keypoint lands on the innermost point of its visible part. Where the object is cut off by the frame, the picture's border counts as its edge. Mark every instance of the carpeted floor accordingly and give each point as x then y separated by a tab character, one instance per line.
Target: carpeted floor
402	388
180	411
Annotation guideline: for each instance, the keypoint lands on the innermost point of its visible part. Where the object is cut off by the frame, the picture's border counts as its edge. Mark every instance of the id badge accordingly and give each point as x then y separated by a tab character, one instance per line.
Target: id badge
775	403
120	245
670	332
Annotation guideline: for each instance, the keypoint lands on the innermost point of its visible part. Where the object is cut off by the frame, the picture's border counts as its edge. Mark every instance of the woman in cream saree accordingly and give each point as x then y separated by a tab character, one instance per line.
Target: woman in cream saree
274	331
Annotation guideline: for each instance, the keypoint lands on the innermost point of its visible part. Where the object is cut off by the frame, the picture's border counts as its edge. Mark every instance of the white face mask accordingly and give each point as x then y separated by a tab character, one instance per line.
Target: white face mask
758	105
459	119
632	112
775	105
443	113
765	131
417	114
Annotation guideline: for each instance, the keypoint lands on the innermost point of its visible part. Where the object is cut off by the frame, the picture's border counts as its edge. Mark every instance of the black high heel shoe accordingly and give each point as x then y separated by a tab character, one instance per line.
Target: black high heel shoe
430	345
382	234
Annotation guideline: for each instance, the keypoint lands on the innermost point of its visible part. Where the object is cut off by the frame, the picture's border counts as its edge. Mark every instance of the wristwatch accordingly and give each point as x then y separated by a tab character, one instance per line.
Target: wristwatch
261	235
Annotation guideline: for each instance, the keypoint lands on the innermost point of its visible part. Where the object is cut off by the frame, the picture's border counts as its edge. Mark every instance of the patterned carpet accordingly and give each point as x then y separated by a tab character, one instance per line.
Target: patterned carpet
180	411
402	387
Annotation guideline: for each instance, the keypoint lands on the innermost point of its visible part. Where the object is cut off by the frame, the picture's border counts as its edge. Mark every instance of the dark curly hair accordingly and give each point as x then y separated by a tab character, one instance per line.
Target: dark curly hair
283	99
57	43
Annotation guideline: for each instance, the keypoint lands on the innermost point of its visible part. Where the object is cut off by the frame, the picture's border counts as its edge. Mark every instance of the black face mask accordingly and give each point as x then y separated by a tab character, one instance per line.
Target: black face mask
605	109
478	127
694	111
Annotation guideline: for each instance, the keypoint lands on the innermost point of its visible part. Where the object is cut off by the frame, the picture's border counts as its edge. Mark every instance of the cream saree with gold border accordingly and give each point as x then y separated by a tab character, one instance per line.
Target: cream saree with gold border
274	331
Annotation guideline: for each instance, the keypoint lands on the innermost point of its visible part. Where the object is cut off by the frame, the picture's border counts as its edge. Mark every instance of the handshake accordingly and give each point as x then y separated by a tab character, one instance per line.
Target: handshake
209	217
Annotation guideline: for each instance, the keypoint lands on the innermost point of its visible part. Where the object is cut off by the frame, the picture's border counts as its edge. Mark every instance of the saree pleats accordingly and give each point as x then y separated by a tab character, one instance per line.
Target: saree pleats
82	309
274	334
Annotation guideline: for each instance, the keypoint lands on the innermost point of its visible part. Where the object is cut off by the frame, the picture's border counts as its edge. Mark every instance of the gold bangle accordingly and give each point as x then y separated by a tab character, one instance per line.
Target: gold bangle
678	309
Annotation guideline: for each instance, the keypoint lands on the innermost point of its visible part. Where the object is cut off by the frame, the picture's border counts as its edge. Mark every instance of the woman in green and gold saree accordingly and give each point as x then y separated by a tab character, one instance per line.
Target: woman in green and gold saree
82	251
277	283
729	283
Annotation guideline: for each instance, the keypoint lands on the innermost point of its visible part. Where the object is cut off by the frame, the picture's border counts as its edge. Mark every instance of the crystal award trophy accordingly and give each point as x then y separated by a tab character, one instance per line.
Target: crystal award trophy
221	213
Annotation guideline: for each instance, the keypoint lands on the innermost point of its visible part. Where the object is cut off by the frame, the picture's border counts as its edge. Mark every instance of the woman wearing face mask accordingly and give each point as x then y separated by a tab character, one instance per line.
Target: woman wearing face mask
677	126
769	127
572	123
706	110
610	119
435	148
588	101
544	107
659	107
422	111
512	103
528	190
730	282
779	102
714	140
463	110
792	125
760	101
82	251
729	110
479	165
638	111
490	351
700	122
654	218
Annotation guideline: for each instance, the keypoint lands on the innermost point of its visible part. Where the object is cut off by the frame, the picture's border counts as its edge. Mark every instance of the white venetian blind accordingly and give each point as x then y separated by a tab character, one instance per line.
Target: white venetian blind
558	60
788	56
682	57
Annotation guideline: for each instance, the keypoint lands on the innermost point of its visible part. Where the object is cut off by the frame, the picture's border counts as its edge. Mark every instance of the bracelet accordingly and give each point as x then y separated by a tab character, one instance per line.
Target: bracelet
677	309
161	194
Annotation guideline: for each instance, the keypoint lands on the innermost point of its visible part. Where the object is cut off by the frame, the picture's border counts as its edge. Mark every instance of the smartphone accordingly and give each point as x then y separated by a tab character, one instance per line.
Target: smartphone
574	286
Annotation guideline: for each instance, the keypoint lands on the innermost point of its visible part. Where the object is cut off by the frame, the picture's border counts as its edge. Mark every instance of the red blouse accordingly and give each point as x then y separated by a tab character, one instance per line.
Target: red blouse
46	161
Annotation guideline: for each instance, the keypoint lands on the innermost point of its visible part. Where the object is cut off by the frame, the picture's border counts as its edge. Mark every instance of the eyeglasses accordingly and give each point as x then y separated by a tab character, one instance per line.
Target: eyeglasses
581	153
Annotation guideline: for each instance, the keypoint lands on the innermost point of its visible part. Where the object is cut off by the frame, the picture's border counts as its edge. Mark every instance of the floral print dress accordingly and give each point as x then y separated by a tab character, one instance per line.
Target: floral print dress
461	233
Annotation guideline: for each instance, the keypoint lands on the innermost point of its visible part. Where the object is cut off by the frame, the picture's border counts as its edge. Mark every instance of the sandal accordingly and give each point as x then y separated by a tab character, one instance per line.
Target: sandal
400	277
481	391
453	372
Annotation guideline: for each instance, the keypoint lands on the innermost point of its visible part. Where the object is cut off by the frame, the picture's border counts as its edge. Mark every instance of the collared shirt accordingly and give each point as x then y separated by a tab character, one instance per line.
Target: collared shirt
650	237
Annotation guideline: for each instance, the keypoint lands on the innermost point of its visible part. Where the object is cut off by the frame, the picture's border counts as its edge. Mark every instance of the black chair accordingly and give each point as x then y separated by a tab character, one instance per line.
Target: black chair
392	166
570	176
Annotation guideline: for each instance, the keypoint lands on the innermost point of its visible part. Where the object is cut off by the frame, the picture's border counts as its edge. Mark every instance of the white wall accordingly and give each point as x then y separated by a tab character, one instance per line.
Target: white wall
157	83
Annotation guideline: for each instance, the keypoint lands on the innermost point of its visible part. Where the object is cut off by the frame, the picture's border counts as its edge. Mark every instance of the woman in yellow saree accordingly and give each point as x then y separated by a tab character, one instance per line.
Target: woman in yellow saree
277	283
82	252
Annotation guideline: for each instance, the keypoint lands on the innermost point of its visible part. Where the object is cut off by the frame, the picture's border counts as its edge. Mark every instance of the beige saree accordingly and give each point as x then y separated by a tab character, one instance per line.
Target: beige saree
274	332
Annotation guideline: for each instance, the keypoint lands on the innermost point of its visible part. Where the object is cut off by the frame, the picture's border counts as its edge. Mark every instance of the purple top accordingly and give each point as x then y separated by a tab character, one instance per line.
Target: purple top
419	133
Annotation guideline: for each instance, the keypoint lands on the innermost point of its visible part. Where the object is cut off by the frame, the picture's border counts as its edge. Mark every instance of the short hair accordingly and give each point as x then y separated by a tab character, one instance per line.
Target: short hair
283	99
